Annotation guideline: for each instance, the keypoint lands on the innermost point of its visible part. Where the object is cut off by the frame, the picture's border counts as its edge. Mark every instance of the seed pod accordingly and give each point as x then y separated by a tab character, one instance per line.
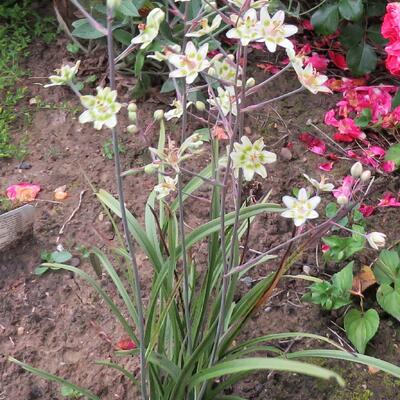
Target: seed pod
132	129
365	176
356	170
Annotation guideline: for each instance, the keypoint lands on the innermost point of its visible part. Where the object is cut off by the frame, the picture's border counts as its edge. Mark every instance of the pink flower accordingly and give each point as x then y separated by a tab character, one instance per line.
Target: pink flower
23	192
376	151
366	210
388	166
325	248
319	62
307	25
330	119
393	59
314	144
391	22
348	131
346	188
388	200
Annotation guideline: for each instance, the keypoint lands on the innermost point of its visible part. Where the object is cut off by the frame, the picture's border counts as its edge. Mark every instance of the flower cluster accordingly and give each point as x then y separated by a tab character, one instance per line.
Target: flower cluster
102	109
65	75
391	31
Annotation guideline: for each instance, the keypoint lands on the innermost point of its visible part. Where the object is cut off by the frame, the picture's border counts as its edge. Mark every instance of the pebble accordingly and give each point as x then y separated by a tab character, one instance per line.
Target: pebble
20	331
75	262
24	165
306	269
286	154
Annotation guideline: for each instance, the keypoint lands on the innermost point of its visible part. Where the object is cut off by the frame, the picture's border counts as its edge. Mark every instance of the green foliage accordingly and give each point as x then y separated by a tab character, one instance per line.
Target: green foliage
70	392
52	257
19	25
393	154
108	151
357	34
335	294
361	327
387	273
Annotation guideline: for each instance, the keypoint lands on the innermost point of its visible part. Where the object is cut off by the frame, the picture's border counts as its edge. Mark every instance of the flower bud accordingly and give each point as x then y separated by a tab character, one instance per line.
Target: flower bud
376	239
200	106
132	129
158	115
113	3
211	71
132	107
365	176
342	200
250	82
356	170
132	116
150	169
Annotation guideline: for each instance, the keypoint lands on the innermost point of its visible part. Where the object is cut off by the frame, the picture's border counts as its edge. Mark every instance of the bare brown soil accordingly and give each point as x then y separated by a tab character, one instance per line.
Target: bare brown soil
57	323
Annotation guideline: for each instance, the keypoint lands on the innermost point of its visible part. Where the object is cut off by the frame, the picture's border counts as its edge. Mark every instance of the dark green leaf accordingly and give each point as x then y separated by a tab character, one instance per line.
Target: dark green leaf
84	30
168	86
60	257
94	260
389	299
331	210
361	327
375	8
39	271
352	10
374	34
351	35
123	36
387	268
361	59
364	119
396	100
128	8
139	62
343	280
326	19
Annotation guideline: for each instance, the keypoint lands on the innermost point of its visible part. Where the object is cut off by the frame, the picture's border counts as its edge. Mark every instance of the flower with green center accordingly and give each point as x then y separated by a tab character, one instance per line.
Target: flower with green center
189	65
302	208
225	101
322	185
274	32
166	52
163	189
65	75
102	109
253	4
246	28
151	28
225	68
205	27
251	157
177	111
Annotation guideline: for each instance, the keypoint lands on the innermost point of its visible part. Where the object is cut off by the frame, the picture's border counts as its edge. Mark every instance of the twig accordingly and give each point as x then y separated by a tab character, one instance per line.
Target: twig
61	231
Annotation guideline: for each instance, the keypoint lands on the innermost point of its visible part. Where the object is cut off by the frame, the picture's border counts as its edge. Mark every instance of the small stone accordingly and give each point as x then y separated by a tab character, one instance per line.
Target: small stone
74	262
59	196
108	226
247	130
101	217
268	309
286	154
20	331
306	269
24	165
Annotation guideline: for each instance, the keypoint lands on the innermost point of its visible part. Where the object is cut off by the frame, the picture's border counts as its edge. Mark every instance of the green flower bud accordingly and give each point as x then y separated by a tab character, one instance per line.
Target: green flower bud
132	116
150	169
132	107
158	115
250	82
132	129
200	106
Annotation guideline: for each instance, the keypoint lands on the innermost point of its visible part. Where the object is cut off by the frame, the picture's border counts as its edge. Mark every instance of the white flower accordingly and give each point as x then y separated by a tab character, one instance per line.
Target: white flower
101	109
301	208
191	63
225	69
167	51
251	157
295	58
65	75
246	28
177	111
274	32
376	240
225	100
311	79
205	28
163	189
321	186
150	31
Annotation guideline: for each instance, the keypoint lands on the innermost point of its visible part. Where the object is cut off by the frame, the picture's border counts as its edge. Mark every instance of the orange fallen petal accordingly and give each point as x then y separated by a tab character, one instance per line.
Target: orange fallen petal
58	196
364	279
126	344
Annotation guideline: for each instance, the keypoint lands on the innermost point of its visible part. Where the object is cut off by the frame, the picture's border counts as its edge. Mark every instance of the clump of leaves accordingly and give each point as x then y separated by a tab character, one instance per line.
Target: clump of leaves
58	257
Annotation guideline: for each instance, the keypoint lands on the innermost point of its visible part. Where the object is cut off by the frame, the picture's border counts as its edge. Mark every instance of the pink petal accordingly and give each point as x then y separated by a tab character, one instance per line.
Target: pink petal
319	62
325	248
326	166
338	59
377	151
23	192
388	166
330	119
366	210
388	200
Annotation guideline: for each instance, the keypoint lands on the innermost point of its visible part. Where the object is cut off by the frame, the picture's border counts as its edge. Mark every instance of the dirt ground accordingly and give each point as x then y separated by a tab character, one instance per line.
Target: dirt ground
57	323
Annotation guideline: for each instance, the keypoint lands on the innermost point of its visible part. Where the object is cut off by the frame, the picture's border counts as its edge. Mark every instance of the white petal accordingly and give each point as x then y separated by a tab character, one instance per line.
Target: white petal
302	196
289	201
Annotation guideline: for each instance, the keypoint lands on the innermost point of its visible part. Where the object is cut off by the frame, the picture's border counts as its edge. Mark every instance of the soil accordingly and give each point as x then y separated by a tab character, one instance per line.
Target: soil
56	322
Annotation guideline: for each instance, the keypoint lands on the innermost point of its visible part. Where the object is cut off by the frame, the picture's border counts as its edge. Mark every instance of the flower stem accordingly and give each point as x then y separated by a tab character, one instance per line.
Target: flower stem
121	197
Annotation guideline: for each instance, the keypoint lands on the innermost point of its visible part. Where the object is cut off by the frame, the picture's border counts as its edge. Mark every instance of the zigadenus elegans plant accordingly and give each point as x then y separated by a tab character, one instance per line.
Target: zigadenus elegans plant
188	331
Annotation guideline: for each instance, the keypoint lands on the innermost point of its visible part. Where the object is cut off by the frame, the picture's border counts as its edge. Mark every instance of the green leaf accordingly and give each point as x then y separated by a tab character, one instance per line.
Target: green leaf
39	271
84	30
393	154
361	327
389	299
361	59
384	366
396	99
352	10
326	19
60	257
364	119
123	36
67	391
54	378
351	34
168	86
375	8
374	34
128	8
139	62
258	363
387	268
343	280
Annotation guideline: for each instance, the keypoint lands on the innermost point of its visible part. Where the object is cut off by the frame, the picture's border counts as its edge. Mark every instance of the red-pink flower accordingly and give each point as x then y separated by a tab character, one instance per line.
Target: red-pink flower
366	210
388	200
326	166
314	144
393	59
23	192
126	344
388	166
319	62
391	22
330	119
348	131
325	248
338	59
346	188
